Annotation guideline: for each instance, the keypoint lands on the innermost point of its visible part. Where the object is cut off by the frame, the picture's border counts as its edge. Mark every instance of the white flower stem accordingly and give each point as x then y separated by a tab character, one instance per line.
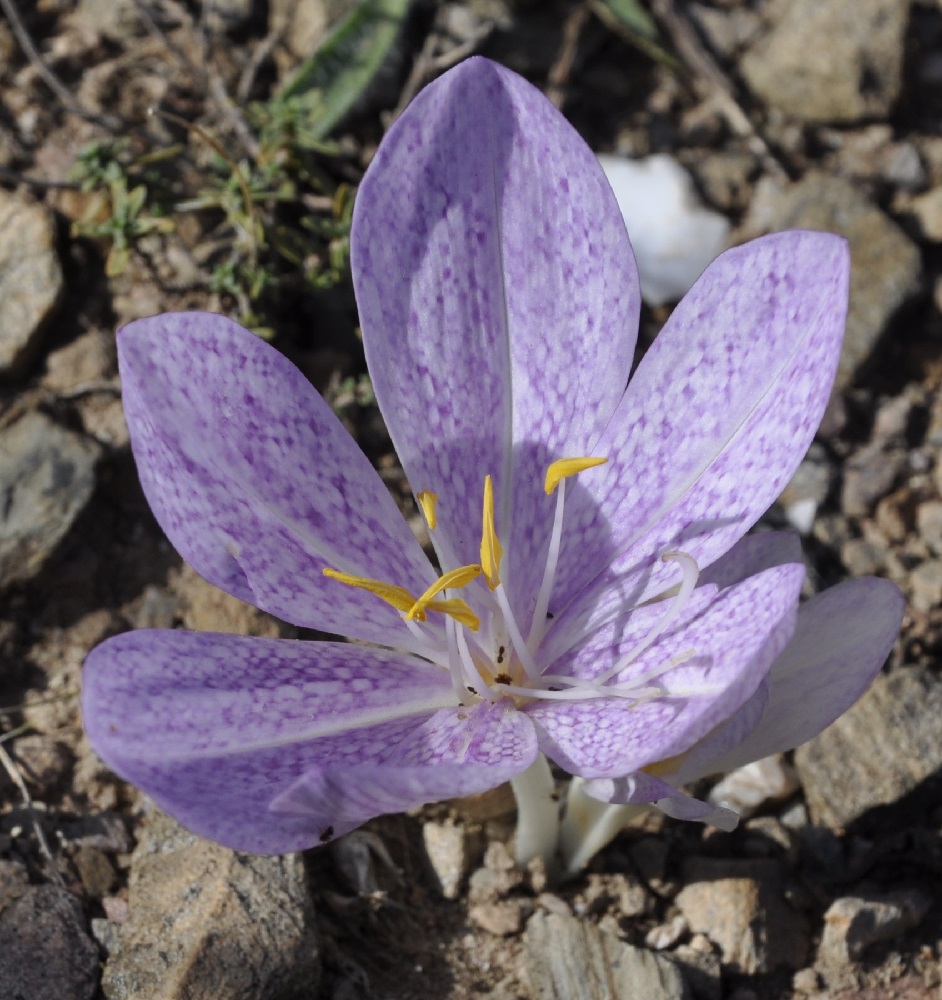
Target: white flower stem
589	825
537	814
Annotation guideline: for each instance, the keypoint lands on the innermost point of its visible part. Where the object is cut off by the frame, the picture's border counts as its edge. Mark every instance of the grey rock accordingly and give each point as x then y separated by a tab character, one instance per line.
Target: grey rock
30	281
739	905
47	475
852	923
205	922
701	967
870	474
929	524
877	751
807	489
568	959
45	950
831	62
886	266
862	557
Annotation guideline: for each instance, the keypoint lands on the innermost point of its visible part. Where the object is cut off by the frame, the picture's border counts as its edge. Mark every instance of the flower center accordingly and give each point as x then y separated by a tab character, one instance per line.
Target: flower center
483	646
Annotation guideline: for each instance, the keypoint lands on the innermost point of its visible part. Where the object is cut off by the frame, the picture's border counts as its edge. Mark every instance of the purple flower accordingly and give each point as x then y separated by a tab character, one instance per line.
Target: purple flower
594	602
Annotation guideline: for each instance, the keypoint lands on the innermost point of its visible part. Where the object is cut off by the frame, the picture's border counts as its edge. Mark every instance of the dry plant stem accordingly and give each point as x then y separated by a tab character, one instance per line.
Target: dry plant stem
428	65
17	779
562	68
51	80
713	83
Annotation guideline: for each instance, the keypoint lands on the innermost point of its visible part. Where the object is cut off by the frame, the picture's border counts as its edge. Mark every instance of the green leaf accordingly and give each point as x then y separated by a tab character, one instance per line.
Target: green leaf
630	19
328	84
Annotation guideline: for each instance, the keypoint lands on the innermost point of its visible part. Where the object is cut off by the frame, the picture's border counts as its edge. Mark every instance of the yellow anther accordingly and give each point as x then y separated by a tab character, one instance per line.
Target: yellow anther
454	579
567	467
459	610
427	500
398	597
491	550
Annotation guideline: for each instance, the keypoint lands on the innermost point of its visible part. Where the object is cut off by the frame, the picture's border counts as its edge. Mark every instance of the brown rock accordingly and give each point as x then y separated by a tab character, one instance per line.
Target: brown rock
852	923
30	280
739	905
876	752
831	62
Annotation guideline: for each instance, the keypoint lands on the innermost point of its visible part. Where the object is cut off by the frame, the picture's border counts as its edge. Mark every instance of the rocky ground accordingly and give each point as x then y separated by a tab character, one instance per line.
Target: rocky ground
787	113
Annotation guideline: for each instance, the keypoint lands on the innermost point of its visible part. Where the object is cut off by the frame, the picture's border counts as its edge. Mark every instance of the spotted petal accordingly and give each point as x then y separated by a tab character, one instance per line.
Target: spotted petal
716	418
254	479
734	642
842	639
498	297
218	728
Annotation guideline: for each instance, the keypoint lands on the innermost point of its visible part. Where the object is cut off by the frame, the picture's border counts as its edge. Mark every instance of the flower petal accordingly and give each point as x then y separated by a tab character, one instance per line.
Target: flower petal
215	727
716	418
474	750
734	643
643	788
255	480
751	555
842	639
498	298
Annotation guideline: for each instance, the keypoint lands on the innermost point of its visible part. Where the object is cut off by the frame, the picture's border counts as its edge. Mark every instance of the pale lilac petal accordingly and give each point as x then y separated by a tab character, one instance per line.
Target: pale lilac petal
255	480
751	555
733	645
473	750
642	788
215	727
842	639
717	417
498	298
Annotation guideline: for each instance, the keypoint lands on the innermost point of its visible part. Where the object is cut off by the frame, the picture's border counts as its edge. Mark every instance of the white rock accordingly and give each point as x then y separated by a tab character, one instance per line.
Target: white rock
673	236
748	788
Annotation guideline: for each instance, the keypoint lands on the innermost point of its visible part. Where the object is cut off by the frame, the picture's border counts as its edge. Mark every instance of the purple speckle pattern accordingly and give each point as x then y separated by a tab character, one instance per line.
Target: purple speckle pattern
499	302
499	299
735	641
255	480
715	420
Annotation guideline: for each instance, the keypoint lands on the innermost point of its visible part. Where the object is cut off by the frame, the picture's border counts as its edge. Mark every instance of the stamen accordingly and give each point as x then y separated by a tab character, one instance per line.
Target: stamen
491	550
454	579
691	572
539	621
459	610
555	474
454	662
566	467
427	500
398	597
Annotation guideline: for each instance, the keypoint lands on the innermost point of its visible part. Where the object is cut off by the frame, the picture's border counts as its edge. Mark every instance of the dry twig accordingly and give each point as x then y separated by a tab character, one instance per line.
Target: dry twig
53	82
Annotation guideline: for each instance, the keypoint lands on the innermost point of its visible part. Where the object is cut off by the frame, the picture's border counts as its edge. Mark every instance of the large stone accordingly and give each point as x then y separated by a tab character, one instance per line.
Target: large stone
45	950
839	61
740	906
30	280
47	475
568	959
877	752
886	265
207	923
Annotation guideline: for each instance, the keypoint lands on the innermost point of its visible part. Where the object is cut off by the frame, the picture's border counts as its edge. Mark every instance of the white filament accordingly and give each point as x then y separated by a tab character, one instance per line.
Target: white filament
538	625
691	572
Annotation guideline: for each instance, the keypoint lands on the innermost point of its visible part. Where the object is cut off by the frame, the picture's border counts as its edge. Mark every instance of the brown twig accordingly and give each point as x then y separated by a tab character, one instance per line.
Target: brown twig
15	177
13	771
562	66
713	82
62	92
